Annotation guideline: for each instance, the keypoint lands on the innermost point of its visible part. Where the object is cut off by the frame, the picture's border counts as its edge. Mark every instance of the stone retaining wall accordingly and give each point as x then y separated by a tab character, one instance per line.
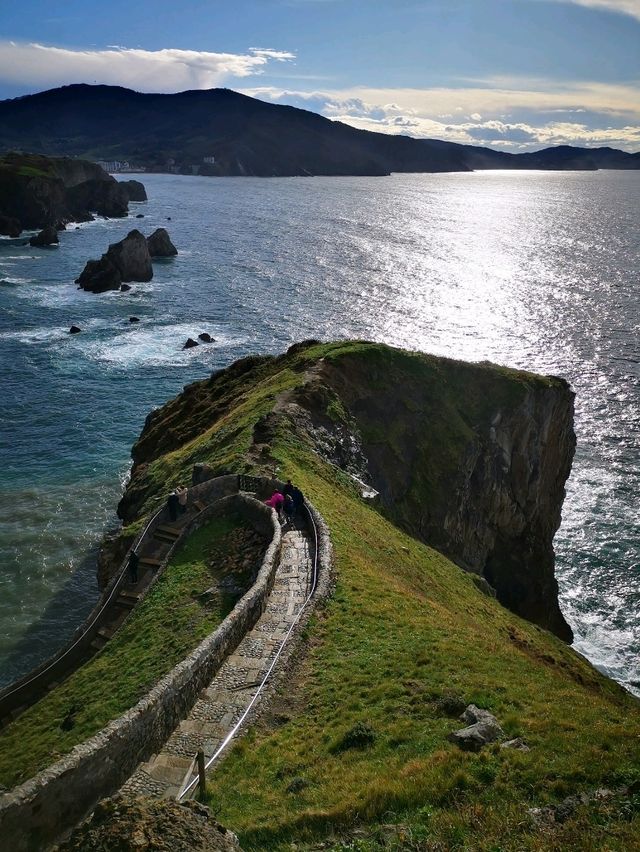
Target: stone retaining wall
29	687
35	813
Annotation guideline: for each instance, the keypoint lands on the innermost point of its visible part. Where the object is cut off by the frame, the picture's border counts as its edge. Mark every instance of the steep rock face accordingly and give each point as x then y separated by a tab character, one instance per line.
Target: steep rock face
473	460
38	191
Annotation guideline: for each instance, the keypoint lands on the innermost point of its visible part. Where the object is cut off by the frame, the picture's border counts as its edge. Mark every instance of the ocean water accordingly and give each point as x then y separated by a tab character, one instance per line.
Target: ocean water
536	270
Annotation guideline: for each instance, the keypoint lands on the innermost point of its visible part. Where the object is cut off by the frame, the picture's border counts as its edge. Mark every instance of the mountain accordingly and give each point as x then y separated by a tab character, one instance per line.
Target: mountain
244	136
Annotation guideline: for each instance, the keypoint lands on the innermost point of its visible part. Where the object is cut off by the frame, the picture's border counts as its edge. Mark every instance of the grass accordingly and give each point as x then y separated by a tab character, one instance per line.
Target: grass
354	752
148	646
404	629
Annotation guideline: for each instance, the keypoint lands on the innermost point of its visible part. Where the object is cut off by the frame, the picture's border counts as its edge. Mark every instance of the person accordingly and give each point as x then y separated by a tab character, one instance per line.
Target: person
276	501
298	500
134	561
182	493
288	489
172	505
288	507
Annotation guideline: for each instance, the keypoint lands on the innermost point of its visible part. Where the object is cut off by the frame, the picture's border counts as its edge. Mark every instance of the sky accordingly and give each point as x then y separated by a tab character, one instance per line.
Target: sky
514	75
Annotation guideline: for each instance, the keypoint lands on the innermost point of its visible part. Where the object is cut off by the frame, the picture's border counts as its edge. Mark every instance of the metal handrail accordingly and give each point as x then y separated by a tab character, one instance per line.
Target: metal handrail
185	789
115	588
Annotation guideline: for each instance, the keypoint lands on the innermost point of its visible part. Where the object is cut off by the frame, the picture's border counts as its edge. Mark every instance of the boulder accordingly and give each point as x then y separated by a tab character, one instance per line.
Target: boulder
160	245
140	216
134	319
98	276
205	337
125	287
74	330
131	257
47	237
10	226
127	260
134	189
190	343
483	728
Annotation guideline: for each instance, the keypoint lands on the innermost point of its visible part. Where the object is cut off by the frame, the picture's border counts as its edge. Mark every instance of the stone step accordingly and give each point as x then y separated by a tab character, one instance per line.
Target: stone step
199	505
150	562
126	601
170	532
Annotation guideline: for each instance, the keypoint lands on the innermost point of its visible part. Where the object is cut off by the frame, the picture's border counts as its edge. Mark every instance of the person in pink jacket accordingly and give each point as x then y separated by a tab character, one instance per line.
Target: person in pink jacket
276	501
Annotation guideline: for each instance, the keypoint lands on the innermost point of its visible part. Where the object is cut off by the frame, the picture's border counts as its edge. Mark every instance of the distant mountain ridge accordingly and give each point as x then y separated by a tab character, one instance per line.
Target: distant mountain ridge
221	132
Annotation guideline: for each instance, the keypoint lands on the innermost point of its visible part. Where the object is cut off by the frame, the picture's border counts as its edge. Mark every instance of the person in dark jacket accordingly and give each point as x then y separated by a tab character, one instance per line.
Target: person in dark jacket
298	500
173	504
134	561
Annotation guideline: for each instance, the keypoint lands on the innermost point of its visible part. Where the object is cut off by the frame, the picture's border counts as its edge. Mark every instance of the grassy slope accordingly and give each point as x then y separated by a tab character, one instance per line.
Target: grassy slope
404	628
146	648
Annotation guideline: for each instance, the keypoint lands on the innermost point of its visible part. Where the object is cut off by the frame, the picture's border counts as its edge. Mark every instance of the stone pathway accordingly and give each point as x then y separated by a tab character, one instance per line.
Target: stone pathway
230	692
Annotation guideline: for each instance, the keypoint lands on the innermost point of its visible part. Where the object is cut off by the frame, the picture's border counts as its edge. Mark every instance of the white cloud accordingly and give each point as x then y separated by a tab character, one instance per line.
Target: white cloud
622	7
529	115
168	70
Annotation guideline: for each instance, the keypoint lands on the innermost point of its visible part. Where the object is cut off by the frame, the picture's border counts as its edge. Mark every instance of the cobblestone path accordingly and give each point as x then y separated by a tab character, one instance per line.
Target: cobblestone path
224	701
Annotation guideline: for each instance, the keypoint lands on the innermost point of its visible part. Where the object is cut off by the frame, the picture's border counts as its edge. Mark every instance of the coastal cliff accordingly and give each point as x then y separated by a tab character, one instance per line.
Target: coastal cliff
38	191
360	740
471	459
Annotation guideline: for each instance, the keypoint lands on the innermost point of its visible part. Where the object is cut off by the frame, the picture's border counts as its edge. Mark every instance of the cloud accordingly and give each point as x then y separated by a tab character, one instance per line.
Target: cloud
622	7
168	70
516	115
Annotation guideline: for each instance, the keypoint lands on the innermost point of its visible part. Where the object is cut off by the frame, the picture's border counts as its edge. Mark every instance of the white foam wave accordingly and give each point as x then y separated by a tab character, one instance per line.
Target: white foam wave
156	345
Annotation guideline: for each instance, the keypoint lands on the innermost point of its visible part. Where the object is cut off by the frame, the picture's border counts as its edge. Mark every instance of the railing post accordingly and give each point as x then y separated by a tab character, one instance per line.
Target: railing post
202	780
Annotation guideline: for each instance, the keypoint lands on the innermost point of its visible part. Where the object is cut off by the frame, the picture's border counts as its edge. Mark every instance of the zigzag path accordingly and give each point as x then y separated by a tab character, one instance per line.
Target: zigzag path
232	689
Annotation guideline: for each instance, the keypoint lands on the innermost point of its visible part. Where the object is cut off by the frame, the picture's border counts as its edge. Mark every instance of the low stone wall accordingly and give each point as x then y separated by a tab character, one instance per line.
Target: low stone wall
31	686
34	814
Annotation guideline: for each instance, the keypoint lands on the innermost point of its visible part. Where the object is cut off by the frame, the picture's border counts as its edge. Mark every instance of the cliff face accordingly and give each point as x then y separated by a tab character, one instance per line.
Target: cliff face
471	459
37	191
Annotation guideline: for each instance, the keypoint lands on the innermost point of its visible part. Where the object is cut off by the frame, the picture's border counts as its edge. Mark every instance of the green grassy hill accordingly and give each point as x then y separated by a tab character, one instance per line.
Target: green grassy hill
353	752
406	638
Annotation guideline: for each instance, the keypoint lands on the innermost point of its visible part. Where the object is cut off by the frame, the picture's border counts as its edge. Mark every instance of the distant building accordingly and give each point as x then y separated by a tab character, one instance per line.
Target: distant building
114	165
210	160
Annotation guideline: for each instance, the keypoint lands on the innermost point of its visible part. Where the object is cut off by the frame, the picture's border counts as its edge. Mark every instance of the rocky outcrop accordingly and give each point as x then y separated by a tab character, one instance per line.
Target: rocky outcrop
135	190
47	237
10	226
37	191
150	824
190	344
160	245
127	260
104	197
472	459
482	729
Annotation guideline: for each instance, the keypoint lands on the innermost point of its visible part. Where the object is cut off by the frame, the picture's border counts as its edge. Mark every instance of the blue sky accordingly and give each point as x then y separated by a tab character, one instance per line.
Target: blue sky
513	74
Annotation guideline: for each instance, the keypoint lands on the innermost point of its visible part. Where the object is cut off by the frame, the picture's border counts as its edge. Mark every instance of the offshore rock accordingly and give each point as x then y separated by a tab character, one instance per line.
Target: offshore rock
127	260
74	330
132	258
190	343
134	189
160	245
205	337
47	237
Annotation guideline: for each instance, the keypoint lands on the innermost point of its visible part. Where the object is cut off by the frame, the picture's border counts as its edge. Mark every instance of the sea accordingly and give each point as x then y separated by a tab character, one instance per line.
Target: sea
536	270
